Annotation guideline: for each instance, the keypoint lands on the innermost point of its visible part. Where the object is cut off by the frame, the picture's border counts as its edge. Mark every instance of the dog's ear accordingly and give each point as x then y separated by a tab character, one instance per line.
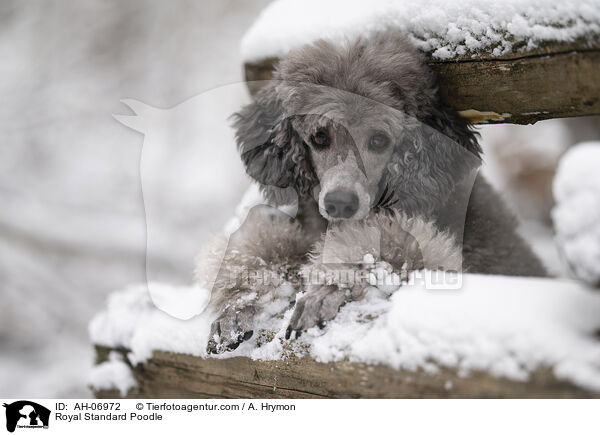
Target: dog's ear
257	126
272	151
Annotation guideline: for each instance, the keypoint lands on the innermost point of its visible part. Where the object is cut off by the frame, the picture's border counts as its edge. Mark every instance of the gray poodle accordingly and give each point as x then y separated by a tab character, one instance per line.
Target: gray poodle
357	136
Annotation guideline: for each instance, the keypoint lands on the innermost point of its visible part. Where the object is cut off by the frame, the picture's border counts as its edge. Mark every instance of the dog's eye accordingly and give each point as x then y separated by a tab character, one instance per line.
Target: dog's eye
320	139
379	142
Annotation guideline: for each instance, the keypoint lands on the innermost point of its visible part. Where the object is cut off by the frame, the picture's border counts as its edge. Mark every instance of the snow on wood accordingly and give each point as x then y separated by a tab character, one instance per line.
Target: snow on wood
112	373
495	336
507	61
447	29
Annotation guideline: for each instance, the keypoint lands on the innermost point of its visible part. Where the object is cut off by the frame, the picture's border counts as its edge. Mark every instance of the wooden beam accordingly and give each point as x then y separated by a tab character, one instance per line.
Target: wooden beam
554	81
168	375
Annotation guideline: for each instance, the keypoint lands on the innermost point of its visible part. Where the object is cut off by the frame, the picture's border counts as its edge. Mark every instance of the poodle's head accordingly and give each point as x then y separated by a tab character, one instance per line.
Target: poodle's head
355	127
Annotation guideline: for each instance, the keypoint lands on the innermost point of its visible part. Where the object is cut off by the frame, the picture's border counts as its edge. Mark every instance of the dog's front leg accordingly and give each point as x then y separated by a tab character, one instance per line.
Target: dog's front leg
259	264
234	325
316	307
241	298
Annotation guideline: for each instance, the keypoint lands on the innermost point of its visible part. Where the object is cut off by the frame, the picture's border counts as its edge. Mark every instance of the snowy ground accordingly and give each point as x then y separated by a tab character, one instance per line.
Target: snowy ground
73	225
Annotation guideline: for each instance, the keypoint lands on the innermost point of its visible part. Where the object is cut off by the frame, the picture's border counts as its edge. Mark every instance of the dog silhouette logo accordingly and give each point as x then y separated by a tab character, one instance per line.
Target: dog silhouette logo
26	414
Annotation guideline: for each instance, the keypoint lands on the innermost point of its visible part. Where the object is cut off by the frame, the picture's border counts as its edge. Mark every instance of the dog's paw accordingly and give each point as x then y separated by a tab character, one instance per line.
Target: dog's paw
318	306
232	328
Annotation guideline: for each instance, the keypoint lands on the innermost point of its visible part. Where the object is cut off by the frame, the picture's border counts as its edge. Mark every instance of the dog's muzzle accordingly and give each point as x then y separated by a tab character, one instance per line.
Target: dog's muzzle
343	191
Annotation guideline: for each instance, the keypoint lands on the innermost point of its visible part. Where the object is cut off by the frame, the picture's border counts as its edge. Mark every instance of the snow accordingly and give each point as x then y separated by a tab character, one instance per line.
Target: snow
182	302
114	373
506	326
131	320
576	215
502	325
444	28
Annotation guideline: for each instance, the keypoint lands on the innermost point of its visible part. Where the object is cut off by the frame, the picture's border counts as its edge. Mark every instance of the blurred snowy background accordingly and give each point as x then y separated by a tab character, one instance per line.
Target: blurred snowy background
72	224
72	221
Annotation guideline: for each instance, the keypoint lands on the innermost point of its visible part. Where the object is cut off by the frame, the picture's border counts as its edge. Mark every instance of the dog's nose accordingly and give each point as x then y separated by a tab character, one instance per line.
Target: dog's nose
341	204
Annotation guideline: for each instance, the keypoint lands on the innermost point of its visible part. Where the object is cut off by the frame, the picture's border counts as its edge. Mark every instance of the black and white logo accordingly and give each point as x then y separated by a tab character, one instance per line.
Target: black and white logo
24	414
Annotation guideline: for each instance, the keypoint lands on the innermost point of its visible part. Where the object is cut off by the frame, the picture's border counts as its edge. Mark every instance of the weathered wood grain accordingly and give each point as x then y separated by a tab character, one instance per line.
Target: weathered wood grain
168	375
553	81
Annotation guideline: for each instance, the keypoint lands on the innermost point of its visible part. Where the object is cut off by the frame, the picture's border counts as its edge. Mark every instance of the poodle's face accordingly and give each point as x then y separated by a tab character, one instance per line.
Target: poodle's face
355	127
350	140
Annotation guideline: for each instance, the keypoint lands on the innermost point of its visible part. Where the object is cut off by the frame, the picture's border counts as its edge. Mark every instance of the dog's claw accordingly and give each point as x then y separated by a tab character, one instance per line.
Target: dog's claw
318	306
290	330
230	329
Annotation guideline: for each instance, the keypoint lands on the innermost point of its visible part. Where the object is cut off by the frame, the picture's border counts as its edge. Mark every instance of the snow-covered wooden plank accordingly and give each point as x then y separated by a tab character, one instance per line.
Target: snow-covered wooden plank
492	337
552	81
170	375
514	61
444	29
